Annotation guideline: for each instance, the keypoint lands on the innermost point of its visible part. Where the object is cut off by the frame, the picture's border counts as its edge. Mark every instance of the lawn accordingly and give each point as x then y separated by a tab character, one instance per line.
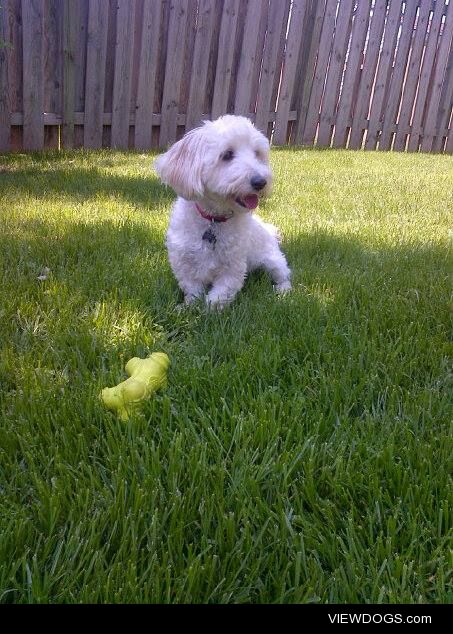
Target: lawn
301	452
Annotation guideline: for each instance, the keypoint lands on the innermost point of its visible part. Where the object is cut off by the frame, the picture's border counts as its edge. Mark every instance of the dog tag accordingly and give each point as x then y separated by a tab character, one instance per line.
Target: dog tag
209	237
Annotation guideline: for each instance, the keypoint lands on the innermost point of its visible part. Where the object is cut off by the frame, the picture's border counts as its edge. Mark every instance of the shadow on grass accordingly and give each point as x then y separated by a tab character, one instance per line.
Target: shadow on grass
359	321
106	288
92	259
130	259
83	184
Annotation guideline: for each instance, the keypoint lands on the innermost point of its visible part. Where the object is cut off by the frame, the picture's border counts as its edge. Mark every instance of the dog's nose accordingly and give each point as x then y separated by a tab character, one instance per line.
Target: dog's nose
258	183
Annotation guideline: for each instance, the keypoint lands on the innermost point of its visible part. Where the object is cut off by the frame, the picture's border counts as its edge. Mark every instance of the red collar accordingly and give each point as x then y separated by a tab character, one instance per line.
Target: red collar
207	216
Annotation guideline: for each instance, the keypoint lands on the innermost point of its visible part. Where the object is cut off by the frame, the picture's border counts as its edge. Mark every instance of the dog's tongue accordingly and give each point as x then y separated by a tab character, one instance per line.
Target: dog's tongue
251	201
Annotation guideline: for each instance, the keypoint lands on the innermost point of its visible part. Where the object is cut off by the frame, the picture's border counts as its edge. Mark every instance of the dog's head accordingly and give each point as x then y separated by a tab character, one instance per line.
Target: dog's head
225	162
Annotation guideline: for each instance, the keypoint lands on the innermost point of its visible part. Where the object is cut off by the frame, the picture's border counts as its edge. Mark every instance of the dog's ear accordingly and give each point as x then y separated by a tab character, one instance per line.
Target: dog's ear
181	166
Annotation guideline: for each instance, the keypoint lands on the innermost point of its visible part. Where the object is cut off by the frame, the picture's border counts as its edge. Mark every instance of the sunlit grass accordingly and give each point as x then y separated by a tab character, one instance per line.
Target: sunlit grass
301	452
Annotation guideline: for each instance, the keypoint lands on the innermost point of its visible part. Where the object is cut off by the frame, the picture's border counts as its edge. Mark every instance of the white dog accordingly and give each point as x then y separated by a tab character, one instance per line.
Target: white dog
219	171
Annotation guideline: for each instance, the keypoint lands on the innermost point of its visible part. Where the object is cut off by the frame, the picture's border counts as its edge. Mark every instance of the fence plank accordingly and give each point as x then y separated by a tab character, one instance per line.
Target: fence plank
346	102
80	66
445	106
198	82
138	30
370	63
109	70
256	72
80	53
425	75
173	71
15	59
251	52
225	58
147	72
302	67
123	74
212	55
314	27
53	69
237	46
279	62
410	86
277	11
70	13
32	17
5	105
95	73
429	129
162	56
15	69
325	44
397	80
383	73
294	42
188	44
306	35
334	74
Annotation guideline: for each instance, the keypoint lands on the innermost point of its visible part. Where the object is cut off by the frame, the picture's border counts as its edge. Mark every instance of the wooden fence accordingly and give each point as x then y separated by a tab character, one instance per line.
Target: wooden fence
138	73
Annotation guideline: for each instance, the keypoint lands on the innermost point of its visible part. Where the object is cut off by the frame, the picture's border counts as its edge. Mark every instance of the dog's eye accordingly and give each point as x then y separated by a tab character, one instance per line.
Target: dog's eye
259	155
228	155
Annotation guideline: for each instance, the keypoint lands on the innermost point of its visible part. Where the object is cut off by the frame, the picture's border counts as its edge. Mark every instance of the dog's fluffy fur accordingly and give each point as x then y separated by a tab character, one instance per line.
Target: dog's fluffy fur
216	167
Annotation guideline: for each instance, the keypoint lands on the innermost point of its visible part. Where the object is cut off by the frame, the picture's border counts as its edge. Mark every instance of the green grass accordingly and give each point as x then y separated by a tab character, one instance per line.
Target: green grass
301	452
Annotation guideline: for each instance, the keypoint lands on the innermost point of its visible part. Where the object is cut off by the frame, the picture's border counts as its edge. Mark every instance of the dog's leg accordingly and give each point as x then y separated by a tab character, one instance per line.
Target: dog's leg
192	290
192	293
275	264
225	289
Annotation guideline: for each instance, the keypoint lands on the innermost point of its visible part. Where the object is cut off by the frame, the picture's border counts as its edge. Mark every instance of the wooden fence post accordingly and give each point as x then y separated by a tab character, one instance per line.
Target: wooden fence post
203	40
317	87
295	38
32	16
5	107
121	108
70	12
173	71
397	78
352	74
333	78
429	128
367	75
425	76
314	28
225	58
95	73
410	86
383	73
250	56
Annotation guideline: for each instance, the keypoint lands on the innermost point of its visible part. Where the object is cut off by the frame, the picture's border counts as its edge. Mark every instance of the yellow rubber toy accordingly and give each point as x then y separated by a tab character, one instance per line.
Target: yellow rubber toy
145	377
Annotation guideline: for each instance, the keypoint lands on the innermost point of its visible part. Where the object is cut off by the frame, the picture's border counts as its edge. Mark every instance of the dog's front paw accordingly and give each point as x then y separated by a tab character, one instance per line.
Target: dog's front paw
216	301
216	304
283	287
190	299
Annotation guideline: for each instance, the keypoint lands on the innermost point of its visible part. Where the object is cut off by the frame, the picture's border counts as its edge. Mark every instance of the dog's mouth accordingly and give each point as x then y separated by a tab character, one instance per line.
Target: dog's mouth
248	202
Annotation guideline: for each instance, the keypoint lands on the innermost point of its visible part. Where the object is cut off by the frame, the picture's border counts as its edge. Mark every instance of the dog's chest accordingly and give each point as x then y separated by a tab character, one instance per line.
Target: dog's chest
210	248
204	249
209	238
216	243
